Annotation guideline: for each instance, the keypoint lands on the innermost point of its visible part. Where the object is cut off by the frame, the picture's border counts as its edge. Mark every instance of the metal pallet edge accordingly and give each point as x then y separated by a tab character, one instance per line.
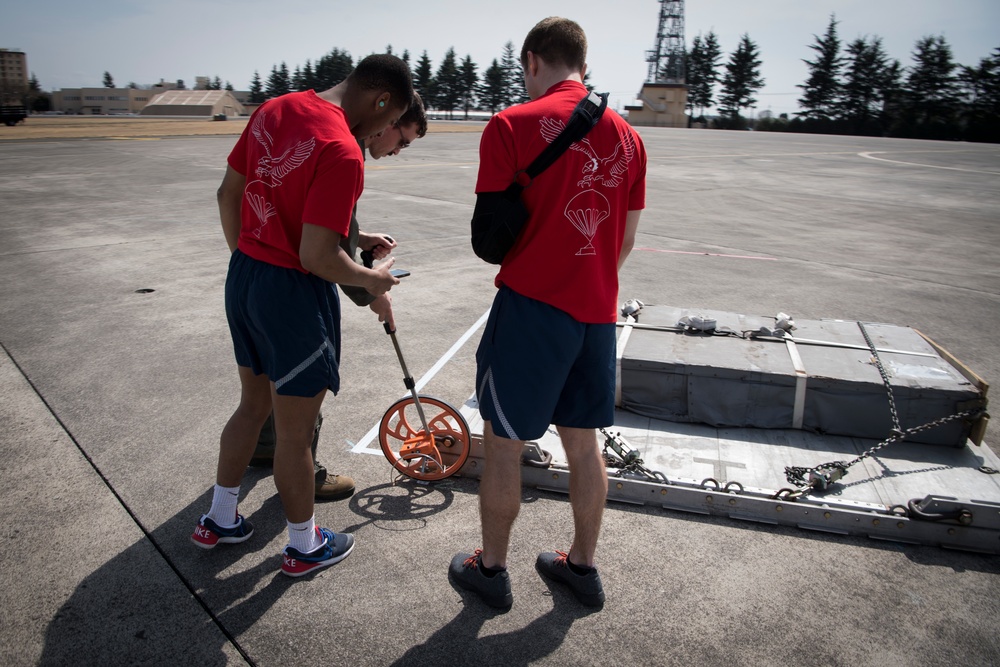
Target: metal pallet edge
812	513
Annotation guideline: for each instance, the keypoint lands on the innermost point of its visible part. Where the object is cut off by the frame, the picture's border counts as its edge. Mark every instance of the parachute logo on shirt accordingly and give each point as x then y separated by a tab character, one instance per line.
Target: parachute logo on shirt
263	208
586	217
589	208
270	169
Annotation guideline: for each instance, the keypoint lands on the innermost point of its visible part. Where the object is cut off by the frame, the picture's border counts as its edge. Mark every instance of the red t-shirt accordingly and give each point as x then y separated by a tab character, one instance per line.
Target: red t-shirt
567	253
302	165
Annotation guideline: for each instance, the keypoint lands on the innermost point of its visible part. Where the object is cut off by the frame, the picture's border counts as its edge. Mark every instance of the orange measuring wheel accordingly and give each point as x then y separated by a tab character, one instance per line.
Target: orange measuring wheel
414	451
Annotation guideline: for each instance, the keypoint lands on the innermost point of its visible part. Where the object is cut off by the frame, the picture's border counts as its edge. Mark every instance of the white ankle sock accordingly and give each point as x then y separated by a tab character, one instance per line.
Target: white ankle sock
304	536
224	501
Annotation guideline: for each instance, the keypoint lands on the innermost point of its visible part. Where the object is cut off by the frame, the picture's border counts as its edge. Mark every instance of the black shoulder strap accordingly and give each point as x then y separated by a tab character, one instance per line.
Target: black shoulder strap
585	116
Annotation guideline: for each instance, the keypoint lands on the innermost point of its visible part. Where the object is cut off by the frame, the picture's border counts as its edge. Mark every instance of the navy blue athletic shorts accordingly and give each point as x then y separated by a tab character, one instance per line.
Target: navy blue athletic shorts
285	324
537	366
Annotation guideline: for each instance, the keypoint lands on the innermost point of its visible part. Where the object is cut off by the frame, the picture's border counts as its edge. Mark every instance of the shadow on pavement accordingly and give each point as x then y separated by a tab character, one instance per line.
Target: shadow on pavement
458	642
117	614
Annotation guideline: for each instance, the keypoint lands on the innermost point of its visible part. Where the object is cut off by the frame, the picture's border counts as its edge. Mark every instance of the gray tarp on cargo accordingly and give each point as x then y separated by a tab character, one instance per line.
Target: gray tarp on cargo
730	381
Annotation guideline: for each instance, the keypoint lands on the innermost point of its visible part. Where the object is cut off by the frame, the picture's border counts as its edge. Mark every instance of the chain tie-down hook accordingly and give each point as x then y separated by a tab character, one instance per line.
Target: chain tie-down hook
625	458
919	509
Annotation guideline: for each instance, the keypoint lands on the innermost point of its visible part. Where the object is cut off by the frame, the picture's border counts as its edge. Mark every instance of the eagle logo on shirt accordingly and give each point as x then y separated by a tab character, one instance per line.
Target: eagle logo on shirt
608	171
274	168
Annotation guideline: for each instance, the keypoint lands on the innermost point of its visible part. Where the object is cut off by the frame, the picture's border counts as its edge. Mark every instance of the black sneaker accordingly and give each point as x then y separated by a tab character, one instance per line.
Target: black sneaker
587	587
466	571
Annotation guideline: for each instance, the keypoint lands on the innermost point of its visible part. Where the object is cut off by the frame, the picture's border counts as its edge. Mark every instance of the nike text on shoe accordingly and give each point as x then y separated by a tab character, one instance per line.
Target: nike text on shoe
335	548
466	571
208	533
586	587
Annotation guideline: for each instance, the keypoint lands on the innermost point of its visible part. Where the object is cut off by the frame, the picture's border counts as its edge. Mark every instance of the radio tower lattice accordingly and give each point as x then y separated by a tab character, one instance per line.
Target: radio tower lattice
666	59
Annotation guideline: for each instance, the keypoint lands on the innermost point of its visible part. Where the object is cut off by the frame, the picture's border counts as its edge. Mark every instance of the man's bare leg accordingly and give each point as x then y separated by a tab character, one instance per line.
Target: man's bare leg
294	476
588	490
499	495
239	437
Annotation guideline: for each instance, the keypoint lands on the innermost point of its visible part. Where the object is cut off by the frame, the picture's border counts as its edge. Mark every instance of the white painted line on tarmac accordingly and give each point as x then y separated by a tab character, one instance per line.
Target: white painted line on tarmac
871	156
362	445
708	254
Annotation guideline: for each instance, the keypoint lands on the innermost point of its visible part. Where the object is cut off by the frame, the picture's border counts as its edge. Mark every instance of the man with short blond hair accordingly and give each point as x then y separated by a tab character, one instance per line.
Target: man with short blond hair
547	355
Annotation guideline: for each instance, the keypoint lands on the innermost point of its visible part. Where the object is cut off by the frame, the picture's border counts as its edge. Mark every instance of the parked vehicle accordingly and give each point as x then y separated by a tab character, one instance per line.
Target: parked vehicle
12	115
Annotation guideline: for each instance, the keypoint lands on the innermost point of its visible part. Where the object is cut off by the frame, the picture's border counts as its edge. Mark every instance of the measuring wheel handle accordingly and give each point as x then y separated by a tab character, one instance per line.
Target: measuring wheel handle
429	453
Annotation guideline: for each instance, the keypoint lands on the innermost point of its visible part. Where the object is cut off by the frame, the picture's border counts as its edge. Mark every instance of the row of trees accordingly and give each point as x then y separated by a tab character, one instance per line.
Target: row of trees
861	90
856	90
455	86
740	81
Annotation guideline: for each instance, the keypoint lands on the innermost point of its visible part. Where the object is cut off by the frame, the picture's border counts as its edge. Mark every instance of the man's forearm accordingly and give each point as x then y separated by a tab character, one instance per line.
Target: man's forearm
628	242
230	199
337	266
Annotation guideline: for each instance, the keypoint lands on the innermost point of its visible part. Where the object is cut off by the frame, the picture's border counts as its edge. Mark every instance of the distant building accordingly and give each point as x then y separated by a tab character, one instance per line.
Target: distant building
661	105
163	86
194	103
13	76
98	101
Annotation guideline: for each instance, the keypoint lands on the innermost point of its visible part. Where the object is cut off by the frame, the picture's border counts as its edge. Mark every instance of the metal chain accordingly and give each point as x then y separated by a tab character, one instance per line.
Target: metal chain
626	459
799	476
817	477
885	378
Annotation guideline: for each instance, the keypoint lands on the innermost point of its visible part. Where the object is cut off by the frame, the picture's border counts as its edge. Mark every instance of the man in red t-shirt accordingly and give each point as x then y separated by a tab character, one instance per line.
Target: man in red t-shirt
547	355
285	202
411	126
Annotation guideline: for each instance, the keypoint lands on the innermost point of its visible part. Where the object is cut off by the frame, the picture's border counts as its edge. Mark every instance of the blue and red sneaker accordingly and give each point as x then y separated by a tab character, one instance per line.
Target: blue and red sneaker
208	533
335	548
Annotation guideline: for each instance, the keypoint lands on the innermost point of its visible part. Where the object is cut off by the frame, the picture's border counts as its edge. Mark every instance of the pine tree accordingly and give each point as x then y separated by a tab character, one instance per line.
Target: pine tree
468	79
892	94
308	77
865	77
822	89
980	93
448	86
286	79
332	68
741	81
217	83
931	97
514	91
492	89
35	98
256	89
279	82
406	59
423	80
702	72
108	81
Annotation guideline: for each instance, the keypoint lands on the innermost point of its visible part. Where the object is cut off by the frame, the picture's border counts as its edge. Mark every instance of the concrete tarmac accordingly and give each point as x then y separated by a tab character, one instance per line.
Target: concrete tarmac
117	375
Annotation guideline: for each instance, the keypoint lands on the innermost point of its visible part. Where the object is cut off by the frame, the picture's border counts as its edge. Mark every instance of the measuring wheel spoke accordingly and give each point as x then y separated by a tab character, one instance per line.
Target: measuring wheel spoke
418	453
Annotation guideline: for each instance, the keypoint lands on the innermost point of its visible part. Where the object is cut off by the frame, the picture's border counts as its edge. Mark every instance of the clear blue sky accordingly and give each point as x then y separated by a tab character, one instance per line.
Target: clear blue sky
71	43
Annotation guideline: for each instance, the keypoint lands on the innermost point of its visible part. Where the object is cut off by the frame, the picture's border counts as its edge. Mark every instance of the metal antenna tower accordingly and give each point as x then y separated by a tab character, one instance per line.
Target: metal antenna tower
666	59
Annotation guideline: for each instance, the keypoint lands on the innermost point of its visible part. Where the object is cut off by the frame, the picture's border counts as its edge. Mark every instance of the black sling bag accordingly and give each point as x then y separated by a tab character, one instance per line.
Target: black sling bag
499	216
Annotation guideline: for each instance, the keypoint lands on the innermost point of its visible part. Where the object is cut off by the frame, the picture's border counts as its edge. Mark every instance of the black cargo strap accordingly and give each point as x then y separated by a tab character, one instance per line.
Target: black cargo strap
585	116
